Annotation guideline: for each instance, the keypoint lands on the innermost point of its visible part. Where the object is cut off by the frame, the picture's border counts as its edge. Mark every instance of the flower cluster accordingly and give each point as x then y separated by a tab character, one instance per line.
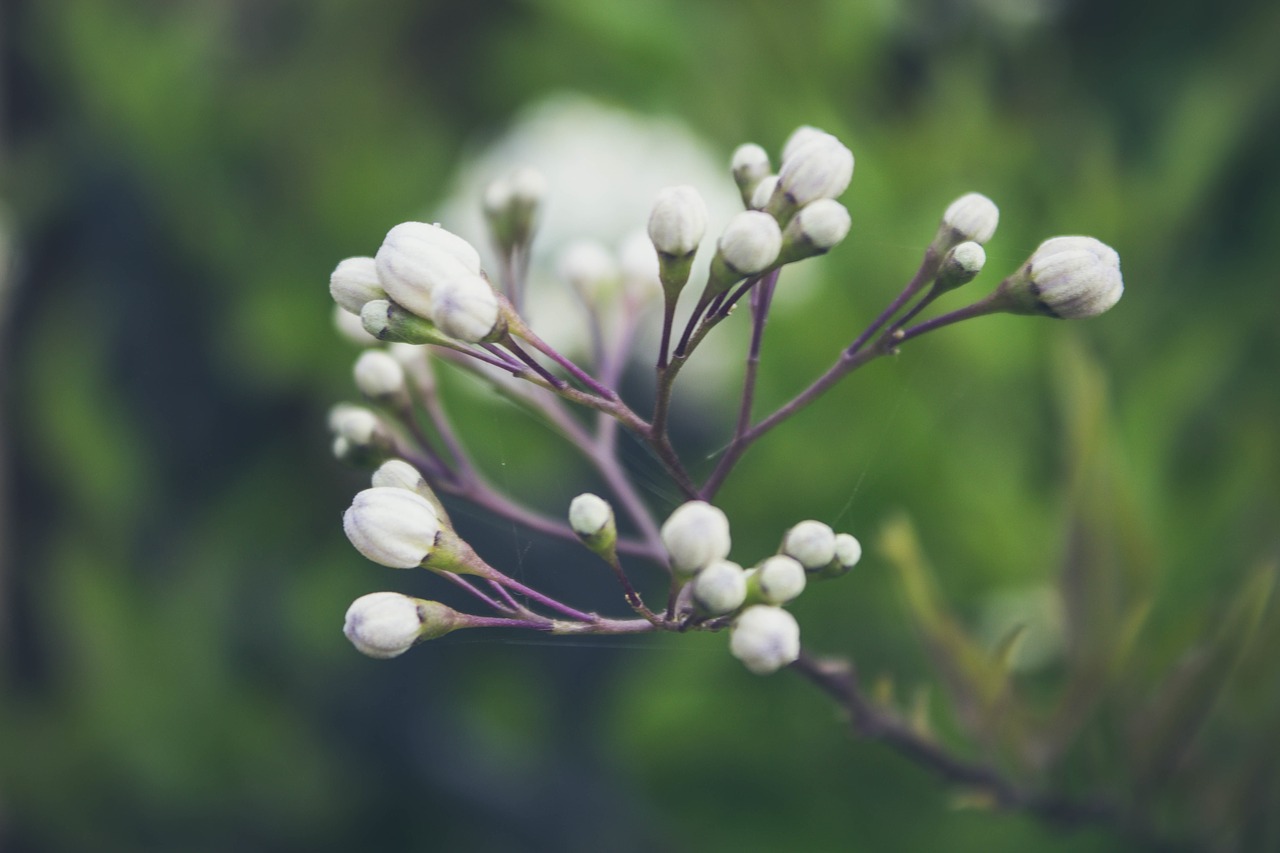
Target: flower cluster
426	290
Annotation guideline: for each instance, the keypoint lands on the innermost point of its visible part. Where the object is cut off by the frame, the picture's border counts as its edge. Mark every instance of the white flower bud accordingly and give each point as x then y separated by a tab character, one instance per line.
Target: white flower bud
387	624
780	579
849	551
765	638
589	514
972	217
352	327
391	526
678	221
1066	277
378	375
960	266
353	282
465	307
415	258
764	192
356	424
812	543
750	165
638	264
802	134
816	228
720	588
696	535
820	167
511	206
750	242
589	268
397	474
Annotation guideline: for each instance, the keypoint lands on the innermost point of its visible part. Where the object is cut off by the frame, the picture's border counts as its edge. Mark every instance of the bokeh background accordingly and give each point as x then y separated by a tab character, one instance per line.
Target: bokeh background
178	179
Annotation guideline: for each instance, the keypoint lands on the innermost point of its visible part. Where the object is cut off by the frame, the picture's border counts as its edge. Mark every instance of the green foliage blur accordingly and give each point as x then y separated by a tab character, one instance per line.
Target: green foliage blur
179	179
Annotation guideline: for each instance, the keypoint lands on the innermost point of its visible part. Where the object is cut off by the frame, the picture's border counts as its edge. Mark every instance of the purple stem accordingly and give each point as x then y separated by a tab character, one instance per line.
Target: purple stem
553	381
503	622
545	600
504	595
576	372
461	582
928	268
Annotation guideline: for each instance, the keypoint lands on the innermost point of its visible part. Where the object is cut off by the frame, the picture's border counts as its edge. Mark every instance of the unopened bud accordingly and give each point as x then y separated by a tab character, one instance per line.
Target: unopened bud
1066	277
696	535
511	206
387	624
719	588
750	244
765	638
778	579
848	553
764	192
750	165
802	134
390	322
415	258
592	519
960	266
392	526
820	167
972	217
353	282
814	230
378	375
397	474
678	221
351	327
466	308
811	543
360	437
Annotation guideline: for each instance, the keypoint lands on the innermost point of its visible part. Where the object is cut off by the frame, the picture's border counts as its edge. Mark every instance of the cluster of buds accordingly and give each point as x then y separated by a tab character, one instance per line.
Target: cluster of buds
426	290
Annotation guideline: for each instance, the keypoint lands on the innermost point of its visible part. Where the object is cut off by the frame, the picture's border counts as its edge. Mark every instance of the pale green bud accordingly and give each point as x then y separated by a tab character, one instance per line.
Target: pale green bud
719	588
387	624
765	638
696	535
811	543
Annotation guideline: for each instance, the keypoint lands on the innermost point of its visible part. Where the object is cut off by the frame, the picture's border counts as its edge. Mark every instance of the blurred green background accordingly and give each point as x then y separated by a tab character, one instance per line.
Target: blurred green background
178	180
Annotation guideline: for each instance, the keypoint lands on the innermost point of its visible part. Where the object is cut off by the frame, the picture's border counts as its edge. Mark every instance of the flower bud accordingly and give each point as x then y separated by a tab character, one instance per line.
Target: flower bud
1066	277
416	257
589	268
353	282
391	526
802	134
720	588
678	221
592	519
397	474
511	206
960	266
765	638
696	535
378	375
814	230
820	167
972	217
352	327
387	321
848	553
750	165
750	244
359	435
387	624
764	192
465	307
779	579
811	543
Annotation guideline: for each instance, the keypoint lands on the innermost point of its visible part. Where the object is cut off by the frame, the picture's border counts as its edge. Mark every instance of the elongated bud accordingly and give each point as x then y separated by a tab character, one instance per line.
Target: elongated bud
415	258
750	244
848	553
677	224
696	535
379	376
719	588
802	134
398	474
764	192
814	230
466	308
960	266
972	217
811	543
592	519
391	526
765	638
390	322
511	207
387	624
750	165
353	282
1066	277
778	579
